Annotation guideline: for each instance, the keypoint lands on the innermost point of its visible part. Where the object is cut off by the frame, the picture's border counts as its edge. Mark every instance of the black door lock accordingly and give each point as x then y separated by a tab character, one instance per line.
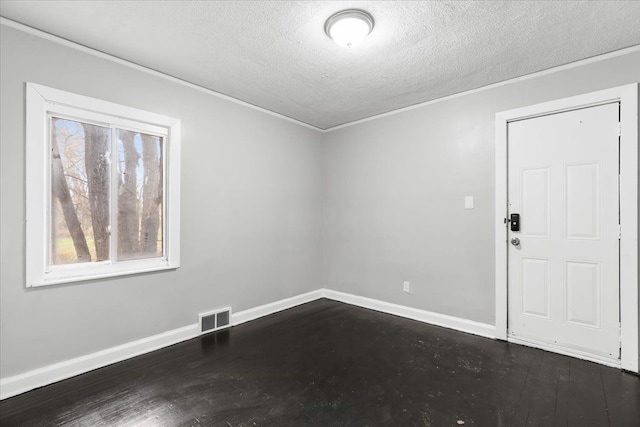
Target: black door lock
515	222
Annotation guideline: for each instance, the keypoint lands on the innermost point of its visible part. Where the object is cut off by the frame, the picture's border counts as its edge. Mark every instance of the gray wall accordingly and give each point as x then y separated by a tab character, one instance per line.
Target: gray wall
394	194
251	213
271	209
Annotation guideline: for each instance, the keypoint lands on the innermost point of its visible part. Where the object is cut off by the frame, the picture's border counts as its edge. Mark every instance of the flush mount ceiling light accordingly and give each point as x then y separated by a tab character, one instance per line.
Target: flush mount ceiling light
349	27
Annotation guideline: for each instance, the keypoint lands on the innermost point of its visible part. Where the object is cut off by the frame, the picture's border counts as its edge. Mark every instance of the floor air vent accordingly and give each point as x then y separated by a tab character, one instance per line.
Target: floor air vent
215	320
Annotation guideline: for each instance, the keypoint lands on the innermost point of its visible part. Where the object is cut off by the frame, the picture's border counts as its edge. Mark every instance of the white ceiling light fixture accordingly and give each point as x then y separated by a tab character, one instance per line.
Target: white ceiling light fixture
349	27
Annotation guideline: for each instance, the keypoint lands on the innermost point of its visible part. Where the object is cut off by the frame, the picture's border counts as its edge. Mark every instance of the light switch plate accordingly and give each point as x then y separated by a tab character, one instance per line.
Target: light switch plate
468	202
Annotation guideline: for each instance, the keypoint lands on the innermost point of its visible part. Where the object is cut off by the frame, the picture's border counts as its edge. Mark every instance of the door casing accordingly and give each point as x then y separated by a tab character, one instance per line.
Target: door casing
628	97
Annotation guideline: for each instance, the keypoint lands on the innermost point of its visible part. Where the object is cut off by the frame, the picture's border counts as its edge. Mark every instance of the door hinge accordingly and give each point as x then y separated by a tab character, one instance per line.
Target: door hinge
619	129
619	231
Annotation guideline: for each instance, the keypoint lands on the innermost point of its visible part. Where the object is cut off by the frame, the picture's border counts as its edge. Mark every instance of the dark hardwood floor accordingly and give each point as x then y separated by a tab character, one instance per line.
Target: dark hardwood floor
330	364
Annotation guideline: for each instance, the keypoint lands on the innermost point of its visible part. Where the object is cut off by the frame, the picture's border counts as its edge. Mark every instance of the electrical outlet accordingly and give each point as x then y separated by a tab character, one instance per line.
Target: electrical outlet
406	286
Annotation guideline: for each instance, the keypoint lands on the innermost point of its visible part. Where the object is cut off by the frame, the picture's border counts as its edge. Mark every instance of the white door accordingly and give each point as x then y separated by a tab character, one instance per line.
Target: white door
563	279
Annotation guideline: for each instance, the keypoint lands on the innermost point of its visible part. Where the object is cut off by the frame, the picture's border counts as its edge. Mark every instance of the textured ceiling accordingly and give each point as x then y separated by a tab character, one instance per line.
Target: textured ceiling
274	54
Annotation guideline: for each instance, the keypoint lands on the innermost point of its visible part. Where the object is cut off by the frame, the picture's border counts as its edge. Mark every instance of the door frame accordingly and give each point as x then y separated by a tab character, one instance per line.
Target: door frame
628	97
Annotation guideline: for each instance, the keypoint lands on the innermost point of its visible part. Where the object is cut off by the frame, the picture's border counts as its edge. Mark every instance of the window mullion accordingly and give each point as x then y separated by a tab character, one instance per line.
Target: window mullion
113	197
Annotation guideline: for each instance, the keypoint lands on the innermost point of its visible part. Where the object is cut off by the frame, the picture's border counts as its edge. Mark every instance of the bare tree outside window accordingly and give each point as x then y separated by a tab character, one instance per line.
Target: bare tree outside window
152	195
96	159
81	193
72	212
139	195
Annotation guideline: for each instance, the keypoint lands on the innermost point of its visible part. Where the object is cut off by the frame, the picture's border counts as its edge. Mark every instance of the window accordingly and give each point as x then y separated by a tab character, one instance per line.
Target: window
103	186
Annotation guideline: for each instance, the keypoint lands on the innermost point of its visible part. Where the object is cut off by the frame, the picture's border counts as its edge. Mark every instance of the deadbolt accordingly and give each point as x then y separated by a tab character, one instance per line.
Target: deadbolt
514	220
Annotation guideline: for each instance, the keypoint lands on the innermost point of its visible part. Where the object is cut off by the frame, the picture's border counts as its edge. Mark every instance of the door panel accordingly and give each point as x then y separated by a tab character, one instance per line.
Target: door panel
535	287
564	275
582	283
535	202
582	189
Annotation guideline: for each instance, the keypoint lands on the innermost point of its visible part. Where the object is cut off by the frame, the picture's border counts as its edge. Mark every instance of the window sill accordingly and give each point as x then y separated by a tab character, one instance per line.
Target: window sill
58	279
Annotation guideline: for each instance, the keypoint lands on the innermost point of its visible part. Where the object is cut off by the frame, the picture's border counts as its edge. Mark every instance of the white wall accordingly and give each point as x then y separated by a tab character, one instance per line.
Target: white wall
394	194
251	213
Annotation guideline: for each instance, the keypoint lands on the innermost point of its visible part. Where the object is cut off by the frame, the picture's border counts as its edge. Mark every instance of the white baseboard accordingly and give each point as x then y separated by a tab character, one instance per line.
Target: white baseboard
274	307
463	325
12	386
30	380
40	377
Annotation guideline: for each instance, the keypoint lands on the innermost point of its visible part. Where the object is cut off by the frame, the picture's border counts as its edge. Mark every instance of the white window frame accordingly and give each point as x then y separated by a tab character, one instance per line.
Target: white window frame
41	103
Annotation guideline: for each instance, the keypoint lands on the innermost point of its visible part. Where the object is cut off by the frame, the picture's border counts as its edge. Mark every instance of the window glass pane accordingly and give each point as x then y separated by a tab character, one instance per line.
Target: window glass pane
79	192
140	195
